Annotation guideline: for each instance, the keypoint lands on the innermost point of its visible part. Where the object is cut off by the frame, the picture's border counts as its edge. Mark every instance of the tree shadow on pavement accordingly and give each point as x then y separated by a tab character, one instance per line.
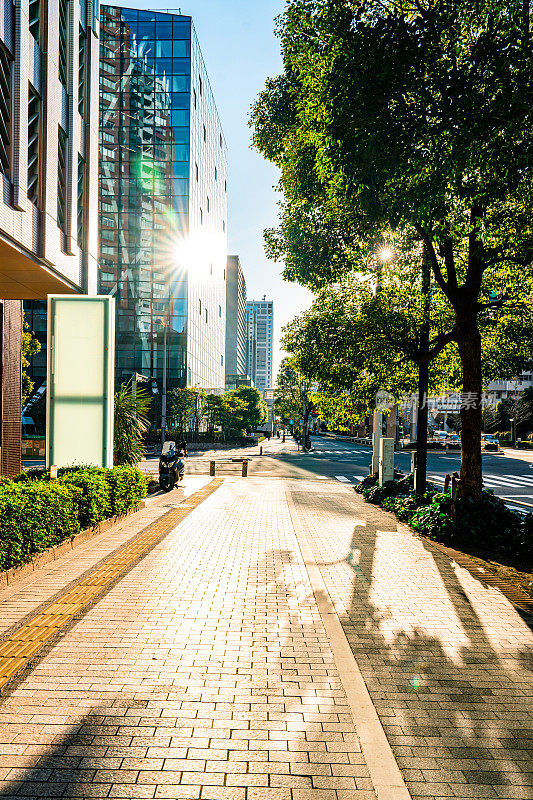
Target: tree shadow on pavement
442	656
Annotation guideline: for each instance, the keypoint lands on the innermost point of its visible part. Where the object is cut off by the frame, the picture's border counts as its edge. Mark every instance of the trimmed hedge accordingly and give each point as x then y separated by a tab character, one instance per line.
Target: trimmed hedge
33	517
489	524
36	512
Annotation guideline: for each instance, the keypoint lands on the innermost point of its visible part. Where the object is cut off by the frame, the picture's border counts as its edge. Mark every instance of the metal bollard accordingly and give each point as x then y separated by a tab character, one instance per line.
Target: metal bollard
211	467
245	468
261	450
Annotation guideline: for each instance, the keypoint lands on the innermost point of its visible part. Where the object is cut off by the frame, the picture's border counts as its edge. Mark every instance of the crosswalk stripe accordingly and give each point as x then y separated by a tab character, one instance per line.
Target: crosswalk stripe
342	478
522	478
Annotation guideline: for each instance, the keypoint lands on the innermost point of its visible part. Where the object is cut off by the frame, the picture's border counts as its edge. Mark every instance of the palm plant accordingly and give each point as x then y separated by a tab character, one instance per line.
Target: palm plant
131	423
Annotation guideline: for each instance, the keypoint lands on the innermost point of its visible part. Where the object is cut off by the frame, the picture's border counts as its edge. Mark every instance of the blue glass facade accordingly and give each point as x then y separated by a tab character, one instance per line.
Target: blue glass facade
153	231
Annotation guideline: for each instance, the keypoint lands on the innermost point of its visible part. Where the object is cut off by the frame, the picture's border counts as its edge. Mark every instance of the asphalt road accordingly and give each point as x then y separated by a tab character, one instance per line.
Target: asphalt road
510	477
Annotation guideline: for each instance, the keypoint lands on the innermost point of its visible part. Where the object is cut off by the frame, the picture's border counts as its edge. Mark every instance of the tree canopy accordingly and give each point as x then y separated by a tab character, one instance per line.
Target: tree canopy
412	115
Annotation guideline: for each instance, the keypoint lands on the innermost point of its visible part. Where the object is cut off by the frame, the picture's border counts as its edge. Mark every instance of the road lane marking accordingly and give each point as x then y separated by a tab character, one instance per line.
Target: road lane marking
342	478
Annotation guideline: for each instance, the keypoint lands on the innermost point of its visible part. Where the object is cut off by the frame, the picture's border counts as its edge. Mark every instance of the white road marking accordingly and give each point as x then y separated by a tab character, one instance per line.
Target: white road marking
342	478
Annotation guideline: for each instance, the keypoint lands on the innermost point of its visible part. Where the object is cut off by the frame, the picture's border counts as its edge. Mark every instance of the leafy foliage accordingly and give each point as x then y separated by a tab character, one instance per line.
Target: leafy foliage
34	516
489	523
30	347
182	406
412	117
37	513
130	424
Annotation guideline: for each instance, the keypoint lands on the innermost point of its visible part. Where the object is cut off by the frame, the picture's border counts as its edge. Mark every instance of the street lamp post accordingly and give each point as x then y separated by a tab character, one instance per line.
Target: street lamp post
164	394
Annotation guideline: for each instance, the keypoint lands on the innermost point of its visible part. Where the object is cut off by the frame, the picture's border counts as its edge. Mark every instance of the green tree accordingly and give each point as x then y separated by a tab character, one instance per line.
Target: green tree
256	409
227	410
130	424
30	347
182	405
413	114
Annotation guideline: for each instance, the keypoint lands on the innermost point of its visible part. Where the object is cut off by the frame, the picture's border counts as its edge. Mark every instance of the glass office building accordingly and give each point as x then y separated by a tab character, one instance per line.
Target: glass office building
162	199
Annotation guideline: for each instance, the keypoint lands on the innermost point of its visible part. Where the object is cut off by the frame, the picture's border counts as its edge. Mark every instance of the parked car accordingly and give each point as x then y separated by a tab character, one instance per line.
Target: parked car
489	442
453	438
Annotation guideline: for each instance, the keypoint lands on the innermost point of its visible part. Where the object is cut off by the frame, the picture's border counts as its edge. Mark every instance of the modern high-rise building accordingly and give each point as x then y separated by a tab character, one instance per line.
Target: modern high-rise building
48	164
163	199
260	329
235	320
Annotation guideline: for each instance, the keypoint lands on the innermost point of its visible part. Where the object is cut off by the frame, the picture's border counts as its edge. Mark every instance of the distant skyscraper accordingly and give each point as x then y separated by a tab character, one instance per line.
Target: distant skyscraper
235	319
260	328
163	201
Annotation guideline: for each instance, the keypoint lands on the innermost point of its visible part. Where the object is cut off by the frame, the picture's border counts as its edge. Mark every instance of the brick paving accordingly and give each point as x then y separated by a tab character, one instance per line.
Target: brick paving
447	660
204	673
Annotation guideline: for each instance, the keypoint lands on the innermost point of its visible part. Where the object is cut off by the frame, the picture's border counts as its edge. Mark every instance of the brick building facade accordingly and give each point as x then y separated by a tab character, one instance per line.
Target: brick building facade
10	408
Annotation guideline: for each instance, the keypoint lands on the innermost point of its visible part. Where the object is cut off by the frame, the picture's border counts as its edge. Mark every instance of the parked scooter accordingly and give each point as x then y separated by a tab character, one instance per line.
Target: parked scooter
171	465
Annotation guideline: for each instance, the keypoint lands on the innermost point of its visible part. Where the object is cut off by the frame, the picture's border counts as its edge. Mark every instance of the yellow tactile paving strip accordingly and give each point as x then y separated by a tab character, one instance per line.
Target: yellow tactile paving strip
28	639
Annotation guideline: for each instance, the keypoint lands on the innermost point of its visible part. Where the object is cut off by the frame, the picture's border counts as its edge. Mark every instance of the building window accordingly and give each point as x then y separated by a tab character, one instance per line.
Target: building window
210	269
81	73
221	361
224	225
225	186
194	97
205	134
220	311
81	202
221	140
5	111
34	109
35	19
63	41
62	179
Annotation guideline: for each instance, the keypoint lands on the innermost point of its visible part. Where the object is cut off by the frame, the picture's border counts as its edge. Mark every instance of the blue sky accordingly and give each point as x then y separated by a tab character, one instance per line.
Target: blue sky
240	51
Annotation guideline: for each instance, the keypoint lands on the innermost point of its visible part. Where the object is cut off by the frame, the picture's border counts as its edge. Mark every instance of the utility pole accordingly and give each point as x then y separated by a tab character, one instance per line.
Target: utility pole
423	382
305	410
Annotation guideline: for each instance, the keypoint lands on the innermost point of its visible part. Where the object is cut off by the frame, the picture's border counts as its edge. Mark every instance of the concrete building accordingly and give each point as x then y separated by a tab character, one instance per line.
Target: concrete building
259	334
163	199
235	321
48	163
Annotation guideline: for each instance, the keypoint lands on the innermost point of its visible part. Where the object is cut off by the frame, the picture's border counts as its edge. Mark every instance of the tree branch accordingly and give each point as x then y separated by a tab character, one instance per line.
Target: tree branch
437	345
430	250
450	263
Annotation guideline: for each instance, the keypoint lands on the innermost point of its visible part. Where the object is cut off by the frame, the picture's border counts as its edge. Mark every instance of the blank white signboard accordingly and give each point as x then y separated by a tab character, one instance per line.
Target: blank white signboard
80	366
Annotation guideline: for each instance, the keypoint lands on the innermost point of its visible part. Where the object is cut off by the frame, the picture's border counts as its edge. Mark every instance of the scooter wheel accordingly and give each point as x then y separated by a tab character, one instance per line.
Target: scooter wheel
166	483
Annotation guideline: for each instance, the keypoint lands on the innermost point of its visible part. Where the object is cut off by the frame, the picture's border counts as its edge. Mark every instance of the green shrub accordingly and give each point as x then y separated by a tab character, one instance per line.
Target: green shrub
128	485
94	504
366	483
489	524
35	515
435	519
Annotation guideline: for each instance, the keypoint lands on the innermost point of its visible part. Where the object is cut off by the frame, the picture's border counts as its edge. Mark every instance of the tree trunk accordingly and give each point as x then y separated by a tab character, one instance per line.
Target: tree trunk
469	341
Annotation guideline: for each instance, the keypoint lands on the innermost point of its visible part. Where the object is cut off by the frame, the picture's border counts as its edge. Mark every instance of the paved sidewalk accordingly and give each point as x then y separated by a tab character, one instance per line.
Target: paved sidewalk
448	662
206	671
